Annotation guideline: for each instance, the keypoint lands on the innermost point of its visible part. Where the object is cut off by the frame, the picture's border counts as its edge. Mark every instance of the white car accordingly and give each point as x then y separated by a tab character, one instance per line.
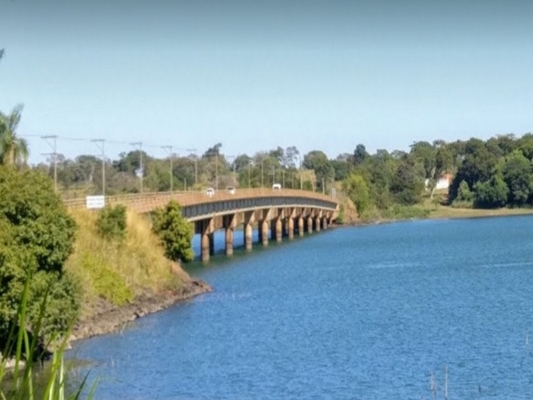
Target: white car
276	186
210	192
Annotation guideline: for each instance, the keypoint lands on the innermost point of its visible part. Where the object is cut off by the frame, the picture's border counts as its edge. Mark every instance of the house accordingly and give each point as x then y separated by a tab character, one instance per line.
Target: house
443	182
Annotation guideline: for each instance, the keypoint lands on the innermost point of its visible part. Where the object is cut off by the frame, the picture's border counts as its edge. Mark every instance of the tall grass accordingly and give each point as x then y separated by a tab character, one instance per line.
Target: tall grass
119	269
18	380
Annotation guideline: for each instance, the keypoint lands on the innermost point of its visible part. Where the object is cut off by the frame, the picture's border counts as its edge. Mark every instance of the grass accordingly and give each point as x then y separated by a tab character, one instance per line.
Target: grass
21	380
117	270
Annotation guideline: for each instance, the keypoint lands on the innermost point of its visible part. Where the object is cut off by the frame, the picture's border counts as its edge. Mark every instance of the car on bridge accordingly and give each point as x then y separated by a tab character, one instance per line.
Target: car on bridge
230	189
276	186
210	192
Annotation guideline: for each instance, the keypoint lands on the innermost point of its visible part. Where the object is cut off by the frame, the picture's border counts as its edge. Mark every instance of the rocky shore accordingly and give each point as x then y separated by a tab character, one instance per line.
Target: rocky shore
108	318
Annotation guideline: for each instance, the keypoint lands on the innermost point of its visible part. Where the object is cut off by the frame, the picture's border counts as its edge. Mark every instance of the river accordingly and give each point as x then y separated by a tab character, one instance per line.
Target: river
375	312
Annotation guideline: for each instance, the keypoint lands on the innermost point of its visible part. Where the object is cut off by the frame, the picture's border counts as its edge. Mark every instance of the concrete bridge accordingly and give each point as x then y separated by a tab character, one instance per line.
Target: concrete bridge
275	213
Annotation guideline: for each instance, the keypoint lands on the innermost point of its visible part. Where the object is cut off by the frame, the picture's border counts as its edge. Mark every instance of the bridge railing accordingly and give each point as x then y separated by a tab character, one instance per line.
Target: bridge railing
148	201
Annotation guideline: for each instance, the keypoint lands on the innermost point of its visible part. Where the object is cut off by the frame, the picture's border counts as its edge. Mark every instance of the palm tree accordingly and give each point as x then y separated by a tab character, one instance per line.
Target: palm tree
13	149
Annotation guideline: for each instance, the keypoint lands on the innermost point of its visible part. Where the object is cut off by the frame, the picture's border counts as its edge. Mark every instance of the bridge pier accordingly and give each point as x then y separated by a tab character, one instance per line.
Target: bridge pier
229	241
228	223
264	232
278	229
300	226
249	218
317	224
290	228
309	224
325	223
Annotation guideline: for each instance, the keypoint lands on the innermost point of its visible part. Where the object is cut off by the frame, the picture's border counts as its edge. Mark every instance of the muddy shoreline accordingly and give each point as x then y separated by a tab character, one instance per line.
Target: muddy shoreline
109	318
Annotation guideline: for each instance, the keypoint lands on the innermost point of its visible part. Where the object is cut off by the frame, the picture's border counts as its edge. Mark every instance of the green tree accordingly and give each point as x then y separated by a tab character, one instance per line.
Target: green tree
174	231
356	189
407	183
517	175
492	193
477	165
318	161
36	237
13	149
464	193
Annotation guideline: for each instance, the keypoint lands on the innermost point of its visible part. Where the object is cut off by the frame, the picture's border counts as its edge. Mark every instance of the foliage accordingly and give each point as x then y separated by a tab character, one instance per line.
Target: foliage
318	161
517	176
407	183
464	194
111	222
174	231
37	236
356	188
491	194
13	149
106	282
21	381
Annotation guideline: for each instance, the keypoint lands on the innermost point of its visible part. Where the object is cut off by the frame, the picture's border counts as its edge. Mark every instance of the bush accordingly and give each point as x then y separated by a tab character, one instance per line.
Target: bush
36	237
175	232
112	223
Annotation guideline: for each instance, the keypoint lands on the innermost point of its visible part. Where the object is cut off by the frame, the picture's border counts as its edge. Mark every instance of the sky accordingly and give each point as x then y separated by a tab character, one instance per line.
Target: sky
255	75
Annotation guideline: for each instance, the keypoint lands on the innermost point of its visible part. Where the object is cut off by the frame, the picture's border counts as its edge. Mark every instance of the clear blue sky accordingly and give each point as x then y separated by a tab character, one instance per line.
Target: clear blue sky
253	75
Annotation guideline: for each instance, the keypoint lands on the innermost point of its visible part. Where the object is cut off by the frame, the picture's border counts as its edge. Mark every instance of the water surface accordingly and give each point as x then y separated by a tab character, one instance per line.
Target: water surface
353	313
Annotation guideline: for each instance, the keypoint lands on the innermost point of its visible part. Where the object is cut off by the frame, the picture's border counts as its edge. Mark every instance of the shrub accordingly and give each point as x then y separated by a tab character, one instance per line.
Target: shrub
175	232
36	237
112	223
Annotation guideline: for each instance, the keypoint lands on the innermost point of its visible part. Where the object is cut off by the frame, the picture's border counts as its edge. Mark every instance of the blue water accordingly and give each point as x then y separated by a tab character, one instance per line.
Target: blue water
353	313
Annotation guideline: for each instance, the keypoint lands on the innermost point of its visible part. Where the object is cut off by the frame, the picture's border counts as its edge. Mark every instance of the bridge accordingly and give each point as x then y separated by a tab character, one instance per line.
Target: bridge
275	213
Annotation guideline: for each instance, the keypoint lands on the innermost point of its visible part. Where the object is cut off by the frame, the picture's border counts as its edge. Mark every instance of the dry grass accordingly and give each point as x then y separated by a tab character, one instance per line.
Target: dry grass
117	270
451	212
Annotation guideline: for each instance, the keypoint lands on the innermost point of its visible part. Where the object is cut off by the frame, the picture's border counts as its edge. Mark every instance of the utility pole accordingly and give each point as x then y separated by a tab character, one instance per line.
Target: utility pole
100	143
141	168
195	165
216	171
169	148
262	180
53	145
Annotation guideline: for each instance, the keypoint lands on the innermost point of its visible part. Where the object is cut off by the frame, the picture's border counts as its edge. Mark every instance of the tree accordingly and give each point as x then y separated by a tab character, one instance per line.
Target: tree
407	184
13	149
360	154
356	189
516	173
477	166
464	194
425	154
318	161
174	231
37	236
492	193
213	151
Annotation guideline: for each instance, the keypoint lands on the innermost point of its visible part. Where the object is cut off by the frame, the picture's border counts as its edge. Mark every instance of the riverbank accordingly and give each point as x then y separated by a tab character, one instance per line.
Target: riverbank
447	212
108	318
123	279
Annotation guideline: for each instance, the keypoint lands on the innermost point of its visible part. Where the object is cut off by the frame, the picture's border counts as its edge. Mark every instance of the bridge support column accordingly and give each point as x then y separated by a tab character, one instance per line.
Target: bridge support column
300	226
317	224
290	228
248	235
207	245
229	241
309	224
325	223
279	229
249	218
207	241
229	222
264	232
